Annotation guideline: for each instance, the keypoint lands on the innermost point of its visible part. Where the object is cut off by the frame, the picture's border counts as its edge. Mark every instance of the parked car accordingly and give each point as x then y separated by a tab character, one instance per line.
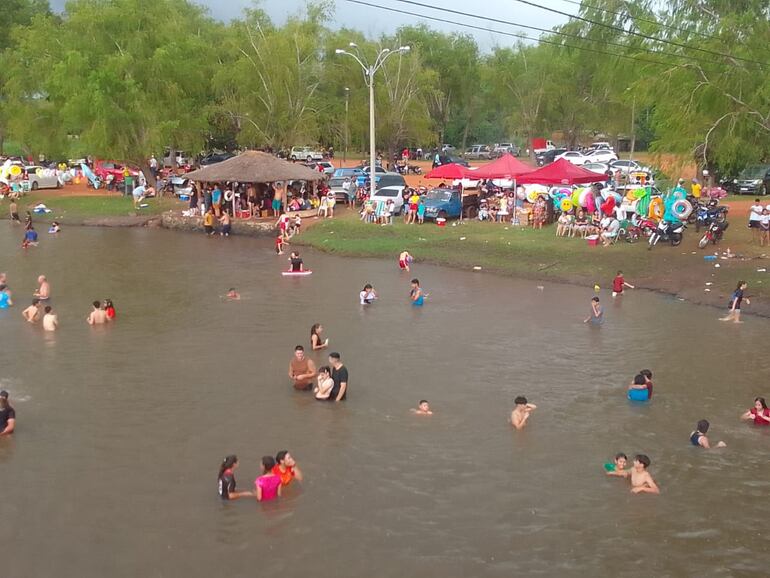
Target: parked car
628	167
601	145
449	203
104	169
506	147
575	157
41	177
181	159
391	192
365	169
214	158
478	152
347	172
389	180
305	154
597	167
328	168
753	180
547	157
447	159
602	156
340	193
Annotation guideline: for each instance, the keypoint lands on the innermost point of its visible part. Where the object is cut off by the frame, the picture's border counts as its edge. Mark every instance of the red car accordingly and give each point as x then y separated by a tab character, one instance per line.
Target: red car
103	169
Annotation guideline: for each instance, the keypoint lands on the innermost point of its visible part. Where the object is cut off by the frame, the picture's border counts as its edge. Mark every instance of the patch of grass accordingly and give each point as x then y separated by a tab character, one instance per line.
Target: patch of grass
77	208
502	248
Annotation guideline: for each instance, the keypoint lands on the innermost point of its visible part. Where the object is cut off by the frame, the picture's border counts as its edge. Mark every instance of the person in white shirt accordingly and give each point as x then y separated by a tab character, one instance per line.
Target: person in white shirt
755	215
367	295
610	231
764	227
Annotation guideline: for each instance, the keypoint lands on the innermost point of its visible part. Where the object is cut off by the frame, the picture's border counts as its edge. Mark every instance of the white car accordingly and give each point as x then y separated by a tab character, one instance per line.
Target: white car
305	154
602	156
601	145
392	192
596	167
42	178
628	167
575	157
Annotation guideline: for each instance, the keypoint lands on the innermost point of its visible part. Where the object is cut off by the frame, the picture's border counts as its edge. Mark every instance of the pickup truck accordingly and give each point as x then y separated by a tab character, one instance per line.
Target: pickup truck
478	152
541	145
447	203
506	147
305	154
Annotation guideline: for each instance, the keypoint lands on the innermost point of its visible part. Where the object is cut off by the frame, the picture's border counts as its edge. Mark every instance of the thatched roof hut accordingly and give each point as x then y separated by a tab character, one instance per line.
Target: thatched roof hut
254	167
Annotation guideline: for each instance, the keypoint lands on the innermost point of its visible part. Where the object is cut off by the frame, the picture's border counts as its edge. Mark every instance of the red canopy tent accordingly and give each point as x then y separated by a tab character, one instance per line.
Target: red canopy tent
449	171
561	172
506	167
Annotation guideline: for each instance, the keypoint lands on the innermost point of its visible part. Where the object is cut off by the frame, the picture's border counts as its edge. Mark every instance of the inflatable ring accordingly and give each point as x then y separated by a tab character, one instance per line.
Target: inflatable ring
565	205
576	198
681	209
640	193
229	196
15	170
656	208
583	198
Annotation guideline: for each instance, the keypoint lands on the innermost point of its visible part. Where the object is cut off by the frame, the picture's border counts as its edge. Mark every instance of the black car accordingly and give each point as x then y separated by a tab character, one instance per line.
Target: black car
448	159
214	158
547	157
753	180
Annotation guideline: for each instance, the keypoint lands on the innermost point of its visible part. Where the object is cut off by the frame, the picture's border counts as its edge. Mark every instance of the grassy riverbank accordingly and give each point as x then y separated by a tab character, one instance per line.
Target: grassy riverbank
73	208
540	255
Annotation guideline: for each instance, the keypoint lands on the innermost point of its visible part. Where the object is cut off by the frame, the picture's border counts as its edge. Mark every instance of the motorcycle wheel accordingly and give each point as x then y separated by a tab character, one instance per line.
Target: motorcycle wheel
704	240
676	240
721	218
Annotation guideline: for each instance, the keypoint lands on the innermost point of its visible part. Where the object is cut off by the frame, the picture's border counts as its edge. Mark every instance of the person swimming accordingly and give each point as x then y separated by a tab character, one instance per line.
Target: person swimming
641	480
618	467
232	294
521	412
759	413
268	485
423	408
109	309
416	295
226	480
367	295
597	314
638	390
698	437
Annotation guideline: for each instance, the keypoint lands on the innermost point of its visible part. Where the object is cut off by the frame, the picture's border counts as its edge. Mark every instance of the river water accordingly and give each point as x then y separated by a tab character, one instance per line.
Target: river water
112	471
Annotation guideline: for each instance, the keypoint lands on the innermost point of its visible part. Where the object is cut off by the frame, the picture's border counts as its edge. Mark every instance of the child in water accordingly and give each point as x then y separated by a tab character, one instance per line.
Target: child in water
367	295
641	480
279	243
618	467
619	283
416	295
404	259
597	315
268	485
109	309
521	412
423	408
232	294
698	437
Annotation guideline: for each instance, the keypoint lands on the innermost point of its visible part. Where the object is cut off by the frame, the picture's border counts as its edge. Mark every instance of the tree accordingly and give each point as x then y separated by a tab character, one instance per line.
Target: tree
121	79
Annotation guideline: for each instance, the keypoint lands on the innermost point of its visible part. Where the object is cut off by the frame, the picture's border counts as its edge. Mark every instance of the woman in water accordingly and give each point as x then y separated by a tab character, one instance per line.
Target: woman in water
367	295
698	437
734	313
268	485
226	480
296	262
597	315
316	341
416	295
759	413
325	384
109	309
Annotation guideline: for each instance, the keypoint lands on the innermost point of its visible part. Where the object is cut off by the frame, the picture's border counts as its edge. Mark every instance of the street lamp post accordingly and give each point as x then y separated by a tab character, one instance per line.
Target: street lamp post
369	72
347	99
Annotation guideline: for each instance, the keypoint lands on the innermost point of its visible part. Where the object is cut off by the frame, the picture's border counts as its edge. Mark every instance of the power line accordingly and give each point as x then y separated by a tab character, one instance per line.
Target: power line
583	3
640	35
556	32
513	34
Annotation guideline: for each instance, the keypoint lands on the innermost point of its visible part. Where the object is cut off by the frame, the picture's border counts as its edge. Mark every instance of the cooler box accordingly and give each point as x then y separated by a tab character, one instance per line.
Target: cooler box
592	240
441	222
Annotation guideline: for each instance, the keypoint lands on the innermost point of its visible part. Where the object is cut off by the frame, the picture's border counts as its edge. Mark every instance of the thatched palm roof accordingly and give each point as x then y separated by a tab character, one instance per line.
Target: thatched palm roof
254	167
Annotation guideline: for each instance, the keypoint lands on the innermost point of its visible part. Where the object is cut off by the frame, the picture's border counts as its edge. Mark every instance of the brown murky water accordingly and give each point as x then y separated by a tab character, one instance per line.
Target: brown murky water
121	429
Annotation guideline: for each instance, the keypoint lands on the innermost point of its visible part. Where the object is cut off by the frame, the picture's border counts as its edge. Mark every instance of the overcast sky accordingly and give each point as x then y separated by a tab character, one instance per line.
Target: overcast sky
373	22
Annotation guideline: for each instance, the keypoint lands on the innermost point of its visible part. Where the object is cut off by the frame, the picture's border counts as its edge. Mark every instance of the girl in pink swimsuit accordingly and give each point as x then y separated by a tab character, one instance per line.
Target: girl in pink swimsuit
268	485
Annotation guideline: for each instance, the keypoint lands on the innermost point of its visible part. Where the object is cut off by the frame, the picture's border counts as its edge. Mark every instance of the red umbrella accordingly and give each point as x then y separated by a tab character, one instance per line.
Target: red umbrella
450	171
561	172
506	167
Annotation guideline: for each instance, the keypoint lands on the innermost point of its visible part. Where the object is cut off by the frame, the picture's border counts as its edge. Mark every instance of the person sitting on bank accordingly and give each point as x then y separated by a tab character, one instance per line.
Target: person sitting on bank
301	369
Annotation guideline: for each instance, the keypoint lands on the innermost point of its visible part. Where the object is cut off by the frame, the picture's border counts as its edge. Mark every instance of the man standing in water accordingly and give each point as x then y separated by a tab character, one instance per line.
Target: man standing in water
32	313
301	369
340	378
7	415
50	320
98	316
43	290
521	412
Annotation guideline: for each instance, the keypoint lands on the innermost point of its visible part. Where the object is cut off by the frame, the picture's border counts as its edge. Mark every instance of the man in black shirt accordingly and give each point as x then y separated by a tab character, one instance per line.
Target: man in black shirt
8	414
340	378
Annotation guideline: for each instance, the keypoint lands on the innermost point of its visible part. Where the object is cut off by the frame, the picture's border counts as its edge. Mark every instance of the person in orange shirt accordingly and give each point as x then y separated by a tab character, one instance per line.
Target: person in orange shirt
286	468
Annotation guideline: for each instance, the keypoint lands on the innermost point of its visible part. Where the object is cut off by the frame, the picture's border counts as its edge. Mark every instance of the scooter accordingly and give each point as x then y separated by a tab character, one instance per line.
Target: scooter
710	213
713	234
667	232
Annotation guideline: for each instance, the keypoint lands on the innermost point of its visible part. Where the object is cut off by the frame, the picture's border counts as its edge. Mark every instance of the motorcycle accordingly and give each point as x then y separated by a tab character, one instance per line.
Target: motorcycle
713	234
414	170
667	232
710	213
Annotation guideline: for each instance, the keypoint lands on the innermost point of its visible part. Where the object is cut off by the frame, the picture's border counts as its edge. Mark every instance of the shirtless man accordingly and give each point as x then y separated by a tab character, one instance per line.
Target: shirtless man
50	320
98	316
44	289
423	408
32	313
641	480
521	412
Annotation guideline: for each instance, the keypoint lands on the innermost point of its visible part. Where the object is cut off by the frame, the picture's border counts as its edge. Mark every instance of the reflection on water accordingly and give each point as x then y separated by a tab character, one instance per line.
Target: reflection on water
121	430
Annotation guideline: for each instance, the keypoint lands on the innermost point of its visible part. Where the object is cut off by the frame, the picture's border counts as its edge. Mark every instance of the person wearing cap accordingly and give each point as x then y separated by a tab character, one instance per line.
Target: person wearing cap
7	415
